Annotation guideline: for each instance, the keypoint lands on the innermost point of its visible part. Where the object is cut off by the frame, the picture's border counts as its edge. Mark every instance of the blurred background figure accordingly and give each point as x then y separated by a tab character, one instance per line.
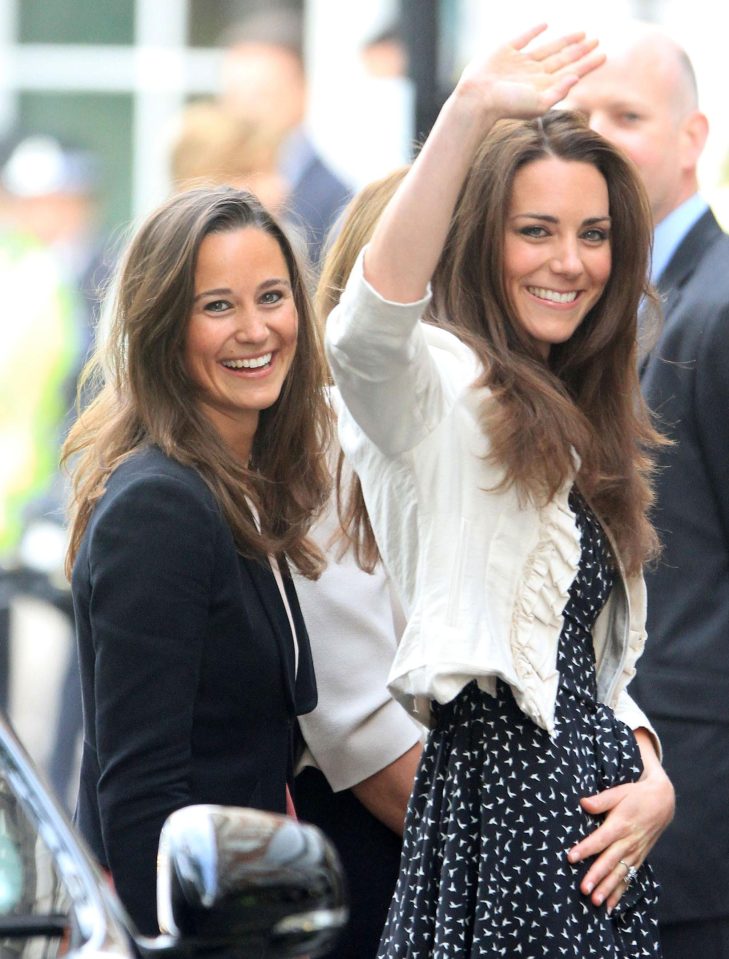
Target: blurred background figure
52	268
362	748
38	350
384	54
644	99
52	189
213	145
263	81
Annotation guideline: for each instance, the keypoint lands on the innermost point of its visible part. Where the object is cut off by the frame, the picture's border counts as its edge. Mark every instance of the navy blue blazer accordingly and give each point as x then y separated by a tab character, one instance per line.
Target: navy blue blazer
682	680
187	669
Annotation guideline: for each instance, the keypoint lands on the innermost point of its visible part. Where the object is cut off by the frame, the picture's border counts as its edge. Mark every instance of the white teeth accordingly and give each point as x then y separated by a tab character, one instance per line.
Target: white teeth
252	364
553	295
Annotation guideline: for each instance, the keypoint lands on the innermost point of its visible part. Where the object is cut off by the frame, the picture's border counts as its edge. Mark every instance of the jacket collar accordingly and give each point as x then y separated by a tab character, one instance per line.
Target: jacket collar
682	264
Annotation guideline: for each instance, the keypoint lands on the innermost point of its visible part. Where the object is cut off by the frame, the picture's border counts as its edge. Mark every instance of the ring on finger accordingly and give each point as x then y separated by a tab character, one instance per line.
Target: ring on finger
630	875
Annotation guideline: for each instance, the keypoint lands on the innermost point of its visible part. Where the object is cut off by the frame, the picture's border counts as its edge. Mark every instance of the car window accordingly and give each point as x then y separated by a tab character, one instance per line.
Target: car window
33	899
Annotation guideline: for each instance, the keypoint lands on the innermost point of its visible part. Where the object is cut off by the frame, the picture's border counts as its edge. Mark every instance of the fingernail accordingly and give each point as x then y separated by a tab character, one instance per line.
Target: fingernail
598	899
609	910
589	887
572	856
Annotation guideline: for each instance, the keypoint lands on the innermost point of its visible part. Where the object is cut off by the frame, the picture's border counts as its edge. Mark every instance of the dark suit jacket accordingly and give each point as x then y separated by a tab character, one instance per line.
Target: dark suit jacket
316	200
187	669
683	676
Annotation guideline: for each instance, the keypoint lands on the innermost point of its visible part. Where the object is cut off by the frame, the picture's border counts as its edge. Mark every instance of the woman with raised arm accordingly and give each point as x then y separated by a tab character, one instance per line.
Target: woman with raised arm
197	473
502	449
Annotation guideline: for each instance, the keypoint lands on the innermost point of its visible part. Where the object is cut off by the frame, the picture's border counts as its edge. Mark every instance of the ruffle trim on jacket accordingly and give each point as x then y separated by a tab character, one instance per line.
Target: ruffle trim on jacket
537	618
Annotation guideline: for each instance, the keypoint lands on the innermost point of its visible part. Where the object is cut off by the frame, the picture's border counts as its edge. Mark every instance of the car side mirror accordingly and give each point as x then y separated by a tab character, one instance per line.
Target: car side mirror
231	877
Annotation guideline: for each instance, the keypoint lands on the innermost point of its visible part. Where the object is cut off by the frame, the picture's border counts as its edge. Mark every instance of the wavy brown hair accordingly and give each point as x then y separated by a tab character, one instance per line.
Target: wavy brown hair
145	396
349	235
586	398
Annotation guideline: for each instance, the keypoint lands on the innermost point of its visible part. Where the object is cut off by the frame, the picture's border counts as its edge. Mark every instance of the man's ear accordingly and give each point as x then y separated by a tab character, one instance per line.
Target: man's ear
694	131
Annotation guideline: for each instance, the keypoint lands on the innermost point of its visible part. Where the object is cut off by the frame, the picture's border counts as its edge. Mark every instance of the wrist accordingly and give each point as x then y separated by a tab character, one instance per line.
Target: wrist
470	103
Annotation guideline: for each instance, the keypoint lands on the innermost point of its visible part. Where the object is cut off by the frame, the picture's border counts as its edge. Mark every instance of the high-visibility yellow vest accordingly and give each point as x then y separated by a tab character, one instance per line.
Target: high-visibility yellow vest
39	355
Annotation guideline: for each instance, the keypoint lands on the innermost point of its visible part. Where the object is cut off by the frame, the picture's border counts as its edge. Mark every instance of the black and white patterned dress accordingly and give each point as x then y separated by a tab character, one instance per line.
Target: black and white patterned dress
495	808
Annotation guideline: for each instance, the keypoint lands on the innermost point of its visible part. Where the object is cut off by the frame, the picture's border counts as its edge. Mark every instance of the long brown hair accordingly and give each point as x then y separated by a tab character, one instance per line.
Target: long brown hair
349	235
587	397
144	394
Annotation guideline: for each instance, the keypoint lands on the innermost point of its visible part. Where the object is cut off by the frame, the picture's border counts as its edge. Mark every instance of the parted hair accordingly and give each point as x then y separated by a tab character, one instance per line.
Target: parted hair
143	394
586	398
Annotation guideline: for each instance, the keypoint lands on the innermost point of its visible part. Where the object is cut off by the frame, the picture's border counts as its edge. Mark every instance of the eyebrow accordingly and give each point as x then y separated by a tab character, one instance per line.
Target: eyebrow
226	291
553	219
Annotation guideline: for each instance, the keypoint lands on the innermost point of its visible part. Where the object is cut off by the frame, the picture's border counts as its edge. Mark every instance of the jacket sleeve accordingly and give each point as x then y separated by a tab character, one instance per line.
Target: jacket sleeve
151	561
381	364
629	712
357	728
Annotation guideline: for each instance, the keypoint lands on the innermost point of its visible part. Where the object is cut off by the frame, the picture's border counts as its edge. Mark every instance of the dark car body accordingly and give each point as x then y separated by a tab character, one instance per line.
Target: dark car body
233	882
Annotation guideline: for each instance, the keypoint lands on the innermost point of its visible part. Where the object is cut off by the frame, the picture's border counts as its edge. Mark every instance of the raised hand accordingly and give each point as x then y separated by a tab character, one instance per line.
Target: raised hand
518	82
513	82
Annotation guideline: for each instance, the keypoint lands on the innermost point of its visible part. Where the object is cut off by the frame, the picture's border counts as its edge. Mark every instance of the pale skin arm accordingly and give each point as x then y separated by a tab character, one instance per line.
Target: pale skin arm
510	82
635	816
386	793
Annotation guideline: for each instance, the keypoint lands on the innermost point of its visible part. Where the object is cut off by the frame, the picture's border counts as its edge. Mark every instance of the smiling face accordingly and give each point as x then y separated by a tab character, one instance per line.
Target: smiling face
557	247
241	336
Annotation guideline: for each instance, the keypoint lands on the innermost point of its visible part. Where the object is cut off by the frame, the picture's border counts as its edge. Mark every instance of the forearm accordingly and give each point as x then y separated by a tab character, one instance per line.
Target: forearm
387	792
410	236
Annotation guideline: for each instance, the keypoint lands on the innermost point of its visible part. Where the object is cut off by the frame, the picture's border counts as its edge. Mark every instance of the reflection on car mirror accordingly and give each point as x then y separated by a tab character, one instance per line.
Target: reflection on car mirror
229	876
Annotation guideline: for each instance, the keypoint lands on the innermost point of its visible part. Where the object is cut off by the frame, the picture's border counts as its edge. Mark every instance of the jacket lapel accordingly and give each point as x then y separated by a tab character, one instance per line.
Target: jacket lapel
679	270
305	686
300	687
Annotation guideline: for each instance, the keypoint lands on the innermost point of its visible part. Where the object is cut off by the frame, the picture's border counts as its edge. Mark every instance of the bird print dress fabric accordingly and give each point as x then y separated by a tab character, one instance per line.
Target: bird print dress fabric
495	808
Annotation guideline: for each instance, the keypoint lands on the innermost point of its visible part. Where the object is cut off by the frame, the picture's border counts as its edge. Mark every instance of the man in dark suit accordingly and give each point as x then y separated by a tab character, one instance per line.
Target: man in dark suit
644	99
264	81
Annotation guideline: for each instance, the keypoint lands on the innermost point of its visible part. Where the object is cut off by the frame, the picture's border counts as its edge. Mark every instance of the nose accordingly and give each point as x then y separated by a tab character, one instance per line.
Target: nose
567	260
251	327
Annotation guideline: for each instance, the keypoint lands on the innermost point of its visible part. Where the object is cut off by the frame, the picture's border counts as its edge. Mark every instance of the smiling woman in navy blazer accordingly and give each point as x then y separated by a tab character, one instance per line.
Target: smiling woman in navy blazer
196	476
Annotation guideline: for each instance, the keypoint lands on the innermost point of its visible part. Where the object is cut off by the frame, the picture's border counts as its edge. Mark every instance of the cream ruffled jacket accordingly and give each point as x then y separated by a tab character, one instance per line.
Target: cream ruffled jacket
484	579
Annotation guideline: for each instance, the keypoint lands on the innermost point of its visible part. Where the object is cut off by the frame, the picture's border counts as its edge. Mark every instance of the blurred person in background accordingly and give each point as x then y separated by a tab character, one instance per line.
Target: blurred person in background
264	80
50	261
362	748
52	189
644	99
213	145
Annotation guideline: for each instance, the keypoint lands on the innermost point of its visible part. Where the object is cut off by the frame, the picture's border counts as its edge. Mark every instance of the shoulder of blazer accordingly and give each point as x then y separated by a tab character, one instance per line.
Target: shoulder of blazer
152	462
695	246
